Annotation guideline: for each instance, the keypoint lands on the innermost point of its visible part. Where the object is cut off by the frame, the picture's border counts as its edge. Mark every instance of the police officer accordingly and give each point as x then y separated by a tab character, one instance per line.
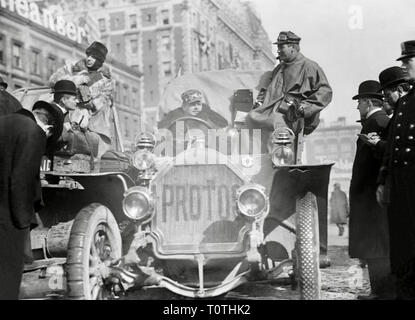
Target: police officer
397	182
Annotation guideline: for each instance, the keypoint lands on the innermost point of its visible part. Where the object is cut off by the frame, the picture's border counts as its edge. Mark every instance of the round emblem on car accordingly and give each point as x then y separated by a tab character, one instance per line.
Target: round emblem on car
247	161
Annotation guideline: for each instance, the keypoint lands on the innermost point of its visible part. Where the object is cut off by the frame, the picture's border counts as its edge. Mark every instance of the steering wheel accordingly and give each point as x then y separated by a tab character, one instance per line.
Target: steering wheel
186	128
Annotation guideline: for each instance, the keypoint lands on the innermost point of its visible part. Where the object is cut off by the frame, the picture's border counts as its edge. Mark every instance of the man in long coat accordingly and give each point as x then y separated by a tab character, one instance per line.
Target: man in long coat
397	175
23	139
297	88
339	208
368	228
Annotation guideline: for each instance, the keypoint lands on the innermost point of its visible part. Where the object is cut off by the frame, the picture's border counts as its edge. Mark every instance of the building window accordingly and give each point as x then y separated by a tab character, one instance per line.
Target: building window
17	87
35	62
125	96
165	17
166	43
118	45
17	54
136	127
117	24
134	46
133	21
134	98
167	69
117	91
2	49
332	148
102	26
346	147
150	69
151	95
149	17
126	127
51	65
150	44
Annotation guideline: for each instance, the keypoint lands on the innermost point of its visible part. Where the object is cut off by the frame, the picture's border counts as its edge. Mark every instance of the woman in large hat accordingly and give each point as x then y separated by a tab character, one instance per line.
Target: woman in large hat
96	91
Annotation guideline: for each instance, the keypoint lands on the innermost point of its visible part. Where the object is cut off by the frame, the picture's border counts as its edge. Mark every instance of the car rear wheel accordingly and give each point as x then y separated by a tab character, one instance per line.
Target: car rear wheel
94	242
308	248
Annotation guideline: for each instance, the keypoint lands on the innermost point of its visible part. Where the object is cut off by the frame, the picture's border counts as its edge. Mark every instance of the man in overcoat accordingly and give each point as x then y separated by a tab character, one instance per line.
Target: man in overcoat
397	182
297	89
368	228
339	208
23	139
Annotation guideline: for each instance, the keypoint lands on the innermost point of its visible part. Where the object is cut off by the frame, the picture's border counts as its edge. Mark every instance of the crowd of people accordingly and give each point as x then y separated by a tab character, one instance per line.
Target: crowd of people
78	120
382	219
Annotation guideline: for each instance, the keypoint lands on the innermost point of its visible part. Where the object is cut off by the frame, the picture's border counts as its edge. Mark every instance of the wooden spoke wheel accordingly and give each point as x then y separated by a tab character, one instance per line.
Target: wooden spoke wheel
94	242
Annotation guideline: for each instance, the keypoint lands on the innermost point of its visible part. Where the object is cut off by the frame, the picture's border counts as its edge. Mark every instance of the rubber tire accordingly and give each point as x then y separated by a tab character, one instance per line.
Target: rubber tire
308	248
79	246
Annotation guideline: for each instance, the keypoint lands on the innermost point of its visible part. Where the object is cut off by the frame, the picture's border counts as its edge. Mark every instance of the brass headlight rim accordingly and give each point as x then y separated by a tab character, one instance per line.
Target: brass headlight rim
150	200
261	189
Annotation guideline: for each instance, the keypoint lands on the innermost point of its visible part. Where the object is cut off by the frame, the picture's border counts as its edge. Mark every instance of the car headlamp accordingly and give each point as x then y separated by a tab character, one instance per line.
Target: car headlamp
282	156
138	204
252	201
143	160
280	147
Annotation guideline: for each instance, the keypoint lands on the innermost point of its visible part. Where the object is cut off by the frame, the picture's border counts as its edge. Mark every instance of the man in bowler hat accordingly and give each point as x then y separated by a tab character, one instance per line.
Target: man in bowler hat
397	182
368	228
394	86
24	136
96	88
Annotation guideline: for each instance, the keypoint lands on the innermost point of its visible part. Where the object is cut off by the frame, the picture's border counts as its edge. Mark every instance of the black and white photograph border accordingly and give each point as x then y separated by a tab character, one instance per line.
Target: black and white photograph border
219	151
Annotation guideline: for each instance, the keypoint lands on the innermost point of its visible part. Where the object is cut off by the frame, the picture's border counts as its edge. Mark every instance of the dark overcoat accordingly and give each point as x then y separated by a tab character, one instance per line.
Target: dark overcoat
368	227
22	145
398	172
8	104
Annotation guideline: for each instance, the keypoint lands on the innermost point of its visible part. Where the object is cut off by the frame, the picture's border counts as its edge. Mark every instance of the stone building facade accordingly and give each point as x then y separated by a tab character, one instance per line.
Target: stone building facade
334	143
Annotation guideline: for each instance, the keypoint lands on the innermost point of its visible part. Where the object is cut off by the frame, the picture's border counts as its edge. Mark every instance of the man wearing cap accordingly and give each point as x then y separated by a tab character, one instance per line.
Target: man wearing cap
96	90
24	136
368	223
193	106
297	88
397	182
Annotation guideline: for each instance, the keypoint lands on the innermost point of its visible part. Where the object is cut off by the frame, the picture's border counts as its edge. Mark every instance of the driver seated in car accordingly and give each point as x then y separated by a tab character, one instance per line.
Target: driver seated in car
193	107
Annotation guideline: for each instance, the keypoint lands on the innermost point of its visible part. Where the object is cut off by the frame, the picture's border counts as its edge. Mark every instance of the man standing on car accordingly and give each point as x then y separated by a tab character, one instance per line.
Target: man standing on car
297	88
368	227
397	182
23	139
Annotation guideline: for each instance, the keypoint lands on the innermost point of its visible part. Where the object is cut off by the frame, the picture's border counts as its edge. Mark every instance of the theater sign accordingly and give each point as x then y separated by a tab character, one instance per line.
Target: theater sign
45	18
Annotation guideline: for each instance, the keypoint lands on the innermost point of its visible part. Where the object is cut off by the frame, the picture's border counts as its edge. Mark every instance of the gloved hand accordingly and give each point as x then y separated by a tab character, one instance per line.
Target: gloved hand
291	108
80	117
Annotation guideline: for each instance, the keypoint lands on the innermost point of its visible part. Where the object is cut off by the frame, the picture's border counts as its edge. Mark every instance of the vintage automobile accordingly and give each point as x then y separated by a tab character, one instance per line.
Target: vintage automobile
199	213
